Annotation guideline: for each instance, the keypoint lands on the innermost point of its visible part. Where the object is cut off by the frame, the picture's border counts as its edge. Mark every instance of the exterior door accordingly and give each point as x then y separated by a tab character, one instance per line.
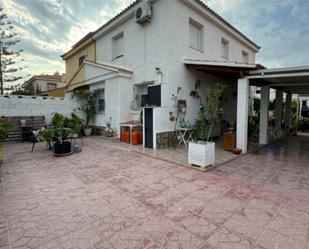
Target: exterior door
148	122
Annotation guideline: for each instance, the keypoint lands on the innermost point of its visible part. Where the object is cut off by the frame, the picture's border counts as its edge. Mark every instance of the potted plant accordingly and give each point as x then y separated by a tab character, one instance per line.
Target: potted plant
201	149
61	146
48	135
87	101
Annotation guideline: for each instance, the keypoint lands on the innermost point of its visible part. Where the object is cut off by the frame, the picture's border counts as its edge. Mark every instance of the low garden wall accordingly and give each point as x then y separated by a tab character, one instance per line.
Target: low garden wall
14	106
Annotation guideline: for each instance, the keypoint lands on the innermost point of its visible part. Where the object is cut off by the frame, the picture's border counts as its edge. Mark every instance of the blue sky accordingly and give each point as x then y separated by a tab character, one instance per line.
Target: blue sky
48	28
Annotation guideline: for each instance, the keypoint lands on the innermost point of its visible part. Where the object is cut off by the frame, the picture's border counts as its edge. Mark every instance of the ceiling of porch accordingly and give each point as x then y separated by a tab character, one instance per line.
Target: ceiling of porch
231	69
291	79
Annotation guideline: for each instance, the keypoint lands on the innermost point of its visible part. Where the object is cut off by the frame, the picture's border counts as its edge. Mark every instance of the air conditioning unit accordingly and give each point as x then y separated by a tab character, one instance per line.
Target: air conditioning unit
144	13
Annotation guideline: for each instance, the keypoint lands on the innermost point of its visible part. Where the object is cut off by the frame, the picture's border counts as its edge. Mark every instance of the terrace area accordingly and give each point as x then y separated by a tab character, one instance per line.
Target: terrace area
109	196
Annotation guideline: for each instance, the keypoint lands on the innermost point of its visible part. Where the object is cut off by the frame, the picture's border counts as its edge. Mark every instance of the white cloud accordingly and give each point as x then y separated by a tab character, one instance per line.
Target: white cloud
49	28
279	27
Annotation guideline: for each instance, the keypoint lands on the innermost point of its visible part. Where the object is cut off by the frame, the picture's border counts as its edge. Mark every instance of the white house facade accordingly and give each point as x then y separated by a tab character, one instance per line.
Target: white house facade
178	47
178	34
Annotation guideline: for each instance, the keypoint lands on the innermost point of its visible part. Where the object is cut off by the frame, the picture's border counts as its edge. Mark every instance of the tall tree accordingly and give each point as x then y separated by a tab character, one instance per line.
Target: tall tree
8	55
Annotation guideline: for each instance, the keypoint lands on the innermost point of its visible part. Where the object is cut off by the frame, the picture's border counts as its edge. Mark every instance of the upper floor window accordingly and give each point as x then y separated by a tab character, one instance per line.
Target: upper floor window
245	56
225	47
51	86
81	60
117	46
196	35
100	100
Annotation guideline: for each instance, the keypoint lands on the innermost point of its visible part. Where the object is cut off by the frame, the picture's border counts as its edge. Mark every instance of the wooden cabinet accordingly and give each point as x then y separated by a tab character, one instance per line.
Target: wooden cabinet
229	141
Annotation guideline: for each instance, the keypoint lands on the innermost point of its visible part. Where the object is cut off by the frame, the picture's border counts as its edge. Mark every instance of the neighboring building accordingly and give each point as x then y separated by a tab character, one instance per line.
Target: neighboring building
58	92
162	49
44	82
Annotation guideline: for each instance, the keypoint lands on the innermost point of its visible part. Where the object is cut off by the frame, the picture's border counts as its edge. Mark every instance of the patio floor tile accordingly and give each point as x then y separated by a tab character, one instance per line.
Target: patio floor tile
108	197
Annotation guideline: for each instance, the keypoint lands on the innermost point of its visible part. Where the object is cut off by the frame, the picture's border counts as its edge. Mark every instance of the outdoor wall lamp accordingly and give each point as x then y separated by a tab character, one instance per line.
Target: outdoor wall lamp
159	72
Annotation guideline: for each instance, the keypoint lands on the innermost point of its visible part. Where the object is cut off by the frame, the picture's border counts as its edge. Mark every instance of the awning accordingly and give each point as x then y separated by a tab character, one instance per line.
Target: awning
290	79
223	68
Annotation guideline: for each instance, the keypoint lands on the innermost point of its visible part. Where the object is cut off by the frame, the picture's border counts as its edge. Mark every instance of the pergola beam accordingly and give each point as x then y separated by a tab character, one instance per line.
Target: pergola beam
274	76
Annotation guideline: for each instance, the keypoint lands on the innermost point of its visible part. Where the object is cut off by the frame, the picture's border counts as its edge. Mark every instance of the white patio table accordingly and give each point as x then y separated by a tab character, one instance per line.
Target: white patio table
185	136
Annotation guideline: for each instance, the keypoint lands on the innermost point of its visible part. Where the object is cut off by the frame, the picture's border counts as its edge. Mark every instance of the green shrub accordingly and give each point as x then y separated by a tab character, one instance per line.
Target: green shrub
208	114
5	126
1	155
87	100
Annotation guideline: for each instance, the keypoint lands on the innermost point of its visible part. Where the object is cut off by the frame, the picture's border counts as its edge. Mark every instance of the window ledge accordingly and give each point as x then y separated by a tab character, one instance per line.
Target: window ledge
101	112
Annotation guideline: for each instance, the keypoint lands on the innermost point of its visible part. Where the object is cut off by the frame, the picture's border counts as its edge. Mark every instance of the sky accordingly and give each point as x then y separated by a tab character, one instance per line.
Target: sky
48	28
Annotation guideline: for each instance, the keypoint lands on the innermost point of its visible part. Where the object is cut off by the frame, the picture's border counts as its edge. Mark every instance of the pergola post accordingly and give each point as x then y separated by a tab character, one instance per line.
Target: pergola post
278	111
288	107
264	108
242	114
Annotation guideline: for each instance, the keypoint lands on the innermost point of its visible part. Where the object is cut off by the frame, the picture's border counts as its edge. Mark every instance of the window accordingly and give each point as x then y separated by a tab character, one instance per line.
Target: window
81	60
245	56
51	86
196	35
118	46
141	95
100	100
225	44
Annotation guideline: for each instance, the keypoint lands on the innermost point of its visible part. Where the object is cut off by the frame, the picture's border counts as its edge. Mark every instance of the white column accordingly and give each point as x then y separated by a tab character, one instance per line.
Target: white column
278	110
287	117
242	114
264	108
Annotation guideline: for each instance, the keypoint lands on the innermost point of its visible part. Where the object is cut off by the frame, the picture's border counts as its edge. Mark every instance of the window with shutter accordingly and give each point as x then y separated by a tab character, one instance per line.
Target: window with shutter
245	56
196	35
225	47
118	46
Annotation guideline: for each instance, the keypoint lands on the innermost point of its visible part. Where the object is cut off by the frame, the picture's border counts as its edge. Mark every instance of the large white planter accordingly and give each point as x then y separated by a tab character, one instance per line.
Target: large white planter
201	154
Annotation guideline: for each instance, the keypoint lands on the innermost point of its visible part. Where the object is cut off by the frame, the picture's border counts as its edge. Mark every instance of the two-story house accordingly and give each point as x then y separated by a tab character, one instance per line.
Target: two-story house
154	53
45	82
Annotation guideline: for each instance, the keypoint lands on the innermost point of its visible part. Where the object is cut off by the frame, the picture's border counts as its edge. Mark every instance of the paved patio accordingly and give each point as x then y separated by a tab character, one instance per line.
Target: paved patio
109	197
178	154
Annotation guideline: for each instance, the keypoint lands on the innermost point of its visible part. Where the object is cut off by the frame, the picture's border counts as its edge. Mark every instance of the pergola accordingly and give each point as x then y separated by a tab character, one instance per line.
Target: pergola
291	80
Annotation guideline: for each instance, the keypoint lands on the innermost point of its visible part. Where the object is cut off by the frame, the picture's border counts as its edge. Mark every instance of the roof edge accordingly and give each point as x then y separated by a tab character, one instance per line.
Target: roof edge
222	20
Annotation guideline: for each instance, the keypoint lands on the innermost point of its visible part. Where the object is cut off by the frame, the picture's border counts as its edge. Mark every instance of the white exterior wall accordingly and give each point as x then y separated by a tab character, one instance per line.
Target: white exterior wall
118	94
112	105
38	106
179	15
179	49
164	43
145	47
